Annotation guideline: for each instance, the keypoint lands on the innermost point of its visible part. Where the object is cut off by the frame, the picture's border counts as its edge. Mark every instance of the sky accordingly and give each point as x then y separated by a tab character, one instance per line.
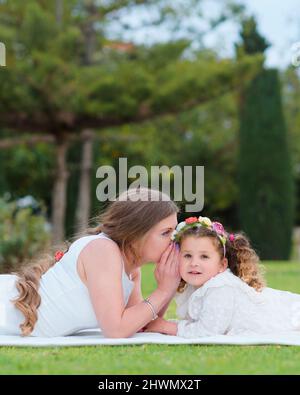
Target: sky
278	21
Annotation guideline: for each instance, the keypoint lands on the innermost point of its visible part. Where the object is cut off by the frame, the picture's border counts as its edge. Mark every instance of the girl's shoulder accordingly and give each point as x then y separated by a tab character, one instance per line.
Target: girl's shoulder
228	279
182	301
219	280
181	297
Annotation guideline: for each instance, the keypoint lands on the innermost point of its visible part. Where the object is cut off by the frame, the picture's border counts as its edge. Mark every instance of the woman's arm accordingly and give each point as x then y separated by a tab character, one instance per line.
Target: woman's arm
136	294
103	266
162	312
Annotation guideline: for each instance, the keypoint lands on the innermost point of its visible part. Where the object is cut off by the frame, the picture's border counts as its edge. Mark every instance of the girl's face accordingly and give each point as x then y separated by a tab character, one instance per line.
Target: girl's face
158	239
199	260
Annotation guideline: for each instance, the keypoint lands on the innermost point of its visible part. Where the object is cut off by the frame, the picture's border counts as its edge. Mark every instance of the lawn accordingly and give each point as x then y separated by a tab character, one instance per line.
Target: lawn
164	359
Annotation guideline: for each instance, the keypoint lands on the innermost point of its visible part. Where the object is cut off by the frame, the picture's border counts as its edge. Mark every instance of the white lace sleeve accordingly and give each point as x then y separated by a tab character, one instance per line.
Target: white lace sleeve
211	313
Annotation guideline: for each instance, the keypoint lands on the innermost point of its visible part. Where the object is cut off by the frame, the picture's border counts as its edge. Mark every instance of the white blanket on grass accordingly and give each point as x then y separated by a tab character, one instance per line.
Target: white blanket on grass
94	337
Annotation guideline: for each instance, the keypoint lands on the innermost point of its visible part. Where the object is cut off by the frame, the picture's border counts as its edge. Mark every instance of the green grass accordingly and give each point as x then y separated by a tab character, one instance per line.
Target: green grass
164	359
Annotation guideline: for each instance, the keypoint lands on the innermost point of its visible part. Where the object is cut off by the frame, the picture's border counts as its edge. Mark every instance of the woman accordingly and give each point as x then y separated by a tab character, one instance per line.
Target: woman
97	282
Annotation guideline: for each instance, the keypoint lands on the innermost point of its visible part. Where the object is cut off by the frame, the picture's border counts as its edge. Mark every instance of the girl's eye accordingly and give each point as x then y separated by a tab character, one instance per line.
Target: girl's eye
189	255
167	232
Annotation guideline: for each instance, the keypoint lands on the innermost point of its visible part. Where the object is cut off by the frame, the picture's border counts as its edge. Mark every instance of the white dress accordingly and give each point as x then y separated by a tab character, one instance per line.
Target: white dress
226	305
65	303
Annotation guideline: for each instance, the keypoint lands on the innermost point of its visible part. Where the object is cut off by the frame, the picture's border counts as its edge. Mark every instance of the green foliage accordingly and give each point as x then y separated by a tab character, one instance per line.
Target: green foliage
265	175
50	86
26	169
291	99
54	82
22	234
252	42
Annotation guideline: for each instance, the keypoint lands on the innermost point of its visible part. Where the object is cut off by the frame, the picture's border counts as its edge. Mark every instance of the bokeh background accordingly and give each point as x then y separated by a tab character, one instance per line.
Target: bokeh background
190	83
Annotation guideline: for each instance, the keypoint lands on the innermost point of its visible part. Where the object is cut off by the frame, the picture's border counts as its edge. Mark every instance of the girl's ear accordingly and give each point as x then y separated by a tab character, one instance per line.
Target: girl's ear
224	264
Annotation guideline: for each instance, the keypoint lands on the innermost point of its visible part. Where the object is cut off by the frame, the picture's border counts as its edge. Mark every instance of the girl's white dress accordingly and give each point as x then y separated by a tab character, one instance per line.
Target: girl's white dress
226	305
65	303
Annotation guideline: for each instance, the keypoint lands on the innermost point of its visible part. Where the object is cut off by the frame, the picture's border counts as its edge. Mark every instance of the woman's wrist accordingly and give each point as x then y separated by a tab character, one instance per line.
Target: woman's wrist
163	310
164	295
157	300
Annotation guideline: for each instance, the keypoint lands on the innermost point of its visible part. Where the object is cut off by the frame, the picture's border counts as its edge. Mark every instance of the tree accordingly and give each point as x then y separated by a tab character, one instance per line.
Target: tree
265	176
63	77
291	99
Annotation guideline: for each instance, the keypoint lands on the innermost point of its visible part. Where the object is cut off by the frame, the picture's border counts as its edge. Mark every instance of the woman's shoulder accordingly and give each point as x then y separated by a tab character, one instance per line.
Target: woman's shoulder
92	248
100	254
96	243
100	239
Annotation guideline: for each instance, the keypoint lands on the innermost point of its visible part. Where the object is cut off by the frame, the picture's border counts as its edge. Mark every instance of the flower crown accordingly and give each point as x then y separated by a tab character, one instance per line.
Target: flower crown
192	222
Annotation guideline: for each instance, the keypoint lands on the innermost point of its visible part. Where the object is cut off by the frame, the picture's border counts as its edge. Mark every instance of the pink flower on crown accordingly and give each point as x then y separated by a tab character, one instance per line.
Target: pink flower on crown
191	220
218	227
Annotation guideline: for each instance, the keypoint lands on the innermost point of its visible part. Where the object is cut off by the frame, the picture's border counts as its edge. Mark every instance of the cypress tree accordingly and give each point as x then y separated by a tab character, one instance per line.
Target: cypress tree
265	177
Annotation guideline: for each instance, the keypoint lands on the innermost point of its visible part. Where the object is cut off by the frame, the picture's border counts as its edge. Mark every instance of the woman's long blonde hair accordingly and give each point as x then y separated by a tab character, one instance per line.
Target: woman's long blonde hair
243	261
125	220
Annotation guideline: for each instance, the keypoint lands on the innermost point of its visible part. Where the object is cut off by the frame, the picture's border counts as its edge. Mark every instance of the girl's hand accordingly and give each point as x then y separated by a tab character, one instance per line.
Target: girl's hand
167	270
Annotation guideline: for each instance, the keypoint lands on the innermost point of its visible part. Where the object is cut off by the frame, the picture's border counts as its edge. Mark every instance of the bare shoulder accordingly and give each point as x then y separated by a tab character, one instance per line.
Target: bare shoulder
101	244
99	255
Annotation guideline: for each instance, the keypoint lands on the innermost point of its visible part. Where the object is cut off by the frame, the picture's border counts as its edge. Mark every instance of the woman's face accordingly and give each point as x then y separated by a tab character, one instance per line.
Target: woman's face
157	239
199	260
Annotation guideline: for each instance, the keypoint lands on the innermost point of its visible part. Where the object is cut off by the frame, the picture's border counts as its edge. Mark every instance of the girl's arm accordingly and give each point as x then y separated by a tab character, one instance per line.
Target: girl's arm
211	315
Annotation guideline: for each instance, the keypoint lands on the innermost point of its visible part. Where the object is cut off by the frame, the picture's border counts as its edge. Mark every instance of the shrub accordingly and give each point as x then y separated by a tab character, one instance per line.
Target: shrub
23	234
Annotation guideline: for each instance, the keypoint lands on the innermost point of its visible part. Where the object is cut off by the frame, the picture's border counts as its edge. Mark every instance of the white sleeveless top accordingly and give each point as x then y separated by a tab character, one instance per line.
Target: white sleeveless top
65	303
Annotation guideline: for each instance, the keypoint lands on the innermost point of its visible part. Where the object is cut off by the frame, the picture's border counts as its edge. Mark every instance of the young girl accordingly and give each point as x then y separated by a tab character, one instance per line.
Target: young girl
222	290
97	282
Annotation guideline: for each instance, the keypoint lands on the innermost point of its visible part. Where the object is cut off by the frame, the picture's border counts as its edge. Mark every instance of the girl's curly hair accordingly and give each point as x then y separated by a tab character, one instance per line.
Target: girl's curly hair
243	261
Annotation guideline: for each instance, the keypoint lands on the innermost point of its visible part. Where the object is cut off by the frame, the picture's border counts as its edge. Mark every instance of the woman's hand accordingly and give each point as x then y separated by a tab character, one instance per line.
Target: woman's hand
160	325
156	325
167	270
